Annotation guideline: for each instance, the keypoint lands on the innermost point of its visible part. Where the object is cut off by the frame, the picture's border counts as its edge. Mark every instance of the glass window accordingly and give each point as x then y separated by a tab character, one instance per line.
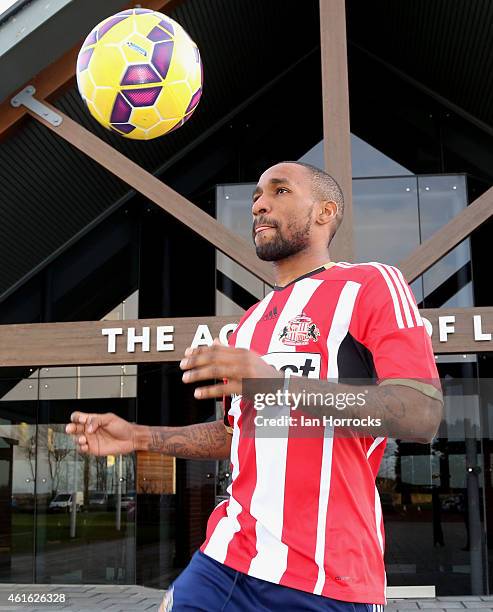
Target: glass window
433	497
367	161
449	281
386	220
76	512
236	287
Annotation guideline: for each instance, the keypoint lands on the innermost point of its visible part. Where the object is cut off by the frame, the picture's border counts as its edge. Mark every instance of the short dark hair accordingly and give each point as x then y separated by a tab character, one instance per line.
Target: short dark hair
325	187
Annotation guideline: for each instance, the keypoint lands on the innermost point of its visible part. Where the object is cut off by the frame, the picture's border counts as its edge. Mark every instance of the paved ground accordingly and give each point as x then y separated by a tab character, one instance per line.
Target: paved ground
470	603
87	598
83	598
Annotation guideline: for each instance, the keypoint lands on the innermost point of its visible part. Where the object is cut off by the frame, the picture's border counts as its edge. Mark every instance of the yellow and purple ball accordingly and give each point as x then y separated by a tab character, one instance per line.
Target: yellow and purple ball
140	74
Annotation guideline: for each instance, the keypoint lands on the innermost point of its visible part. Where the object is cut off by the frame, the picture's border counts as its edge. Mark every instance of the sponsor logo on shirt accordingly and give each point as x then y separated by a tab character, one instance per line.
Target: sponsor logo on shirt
299	331
298	364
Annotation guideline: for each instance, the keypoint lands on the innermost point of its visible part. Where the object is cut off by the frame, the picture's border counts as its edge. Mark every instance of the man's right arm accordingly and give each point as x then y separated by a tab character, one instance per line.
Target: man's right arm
109	434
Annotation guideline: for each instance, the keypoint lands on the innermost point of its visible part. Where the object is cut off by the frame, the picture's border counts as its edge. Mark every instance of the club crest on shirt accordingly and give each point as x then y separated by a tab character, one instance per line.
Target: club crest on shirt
299	331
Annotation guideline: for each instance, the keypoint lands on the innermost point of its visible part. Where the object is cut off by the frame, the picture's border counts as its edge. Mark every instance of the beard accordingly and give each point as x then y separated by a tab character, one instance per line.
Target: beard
280	247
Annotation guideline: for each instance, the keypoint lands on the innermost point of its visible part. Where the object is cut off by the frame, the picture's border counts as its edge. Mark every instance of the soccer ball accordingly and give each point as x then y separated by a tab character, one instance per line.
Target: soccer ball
140	74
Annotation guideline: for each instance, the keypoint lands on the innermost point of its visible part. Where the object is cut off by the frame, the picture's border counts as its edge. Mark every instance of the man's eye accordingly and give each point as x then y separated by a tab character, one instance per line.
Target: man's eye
279	189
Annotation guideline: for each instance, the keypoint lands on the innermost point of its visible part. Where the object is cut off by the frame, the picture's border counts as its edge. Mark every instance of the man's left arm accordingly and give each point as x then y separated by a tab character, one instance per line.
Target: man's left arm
396	410
408	400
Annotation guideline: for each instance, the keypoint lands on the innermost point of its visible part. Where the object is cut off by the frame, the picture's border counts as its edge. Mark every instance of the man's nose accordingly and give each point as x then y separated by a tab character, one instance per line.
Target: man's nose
260	206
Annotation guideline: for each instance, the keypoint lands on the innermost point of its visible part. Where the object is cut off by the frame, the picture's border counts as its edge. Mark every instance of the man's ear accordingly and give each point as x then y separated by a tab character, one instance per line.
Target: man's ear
327	211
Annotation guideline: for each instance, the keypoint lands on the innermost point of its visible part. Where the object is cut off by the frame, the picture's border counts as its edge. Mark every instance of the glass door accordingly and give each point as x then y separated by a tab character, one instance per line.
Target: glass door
18	402
85	510
433	499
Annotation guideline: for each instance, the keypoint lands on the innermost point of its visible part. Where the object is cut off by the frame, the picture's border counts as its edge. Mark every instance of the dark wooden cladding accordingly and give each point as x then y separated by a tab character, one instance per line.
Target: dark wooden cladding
227	241
82	343
156	474
448	237
335	98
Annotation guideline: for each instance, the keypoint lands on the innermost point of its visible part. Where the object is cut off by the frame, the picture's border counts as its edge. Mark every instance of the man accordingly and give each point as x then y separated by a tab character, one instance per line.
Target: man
302	529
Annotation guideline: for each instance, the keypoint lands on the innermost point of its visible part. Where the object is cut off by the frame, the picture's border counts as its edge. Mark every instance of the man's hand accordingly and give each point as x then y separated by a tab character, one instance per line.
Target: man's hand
223	362
101	434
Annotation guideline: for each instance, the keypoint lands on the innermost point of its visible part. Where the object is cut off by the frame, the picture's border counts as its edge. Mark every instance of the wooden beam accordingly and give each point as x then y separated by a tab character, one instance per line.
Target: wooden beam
228	242
83	343
59	75
336	130
448	237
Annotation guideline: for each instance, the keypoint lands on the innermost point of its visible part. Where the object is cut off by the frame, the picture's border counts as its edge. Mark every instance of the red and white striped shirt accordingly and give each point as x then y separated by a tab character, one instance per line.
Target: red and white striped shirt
305	512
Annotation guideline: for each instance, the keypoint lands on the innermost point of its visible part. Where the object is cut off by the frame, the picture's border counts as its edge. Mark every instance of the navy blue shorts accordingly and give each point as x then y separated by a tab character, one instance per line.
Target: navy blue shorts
206	585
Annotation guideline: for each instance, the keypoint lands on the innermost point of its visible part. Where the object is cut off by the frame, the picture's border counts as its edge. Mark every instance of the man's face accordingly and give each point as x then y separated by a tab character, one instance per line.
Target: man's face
282	212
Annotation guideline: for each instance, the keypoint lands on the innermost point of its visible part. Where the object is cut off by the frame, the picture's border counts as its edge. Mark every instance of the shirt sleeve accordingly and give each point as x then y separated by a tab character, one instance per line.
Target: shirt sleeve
387	321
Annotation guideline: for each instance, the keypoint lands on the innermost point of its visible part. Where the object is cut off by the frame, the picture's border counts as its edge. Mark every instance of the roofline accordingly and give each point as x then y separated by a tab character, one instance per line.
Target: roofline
13	10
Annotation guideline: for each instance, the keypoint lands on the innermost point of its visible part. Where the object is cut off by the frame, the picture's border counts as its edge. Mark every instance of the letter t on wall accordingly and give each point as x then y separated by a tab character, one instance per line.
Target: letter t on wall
112	333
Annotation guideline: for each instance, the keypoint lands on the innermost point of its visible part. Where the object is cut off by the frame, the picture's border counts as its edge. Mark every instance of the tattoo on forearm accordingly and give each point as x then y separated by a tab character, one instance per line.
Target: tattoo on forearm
390	404
201	441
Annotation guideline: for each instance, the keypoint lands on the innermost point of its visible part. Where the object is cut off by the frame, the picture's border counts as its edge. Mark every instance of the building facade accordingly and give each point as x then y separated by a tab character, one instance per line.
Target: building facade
81	244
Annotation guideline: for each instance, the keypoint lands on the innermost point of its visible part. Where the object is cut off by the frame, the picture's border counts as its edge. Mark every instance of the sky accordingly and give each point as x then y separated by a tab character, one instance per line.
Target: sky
6	4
